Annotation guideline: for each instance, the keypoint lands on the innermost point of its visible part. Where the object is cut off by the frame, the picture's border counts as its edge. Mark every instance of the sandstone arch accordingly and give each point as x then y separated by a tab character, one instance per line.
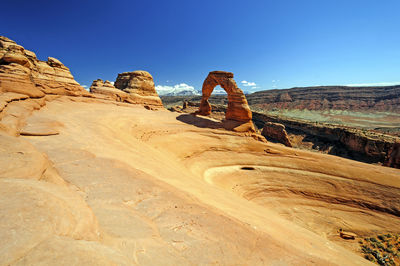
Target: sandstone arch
238	114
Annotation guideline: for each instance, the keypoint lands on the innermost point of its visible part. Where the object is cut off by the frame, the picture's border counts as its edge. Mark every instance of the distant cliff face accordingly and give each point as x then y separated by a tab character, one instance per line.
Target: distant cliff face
386	98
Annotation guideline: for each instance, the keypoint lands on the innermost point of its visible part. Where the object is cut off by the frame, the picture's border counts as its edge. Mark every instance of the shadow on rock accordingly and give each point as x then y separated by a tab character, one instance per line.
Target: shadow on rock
199	121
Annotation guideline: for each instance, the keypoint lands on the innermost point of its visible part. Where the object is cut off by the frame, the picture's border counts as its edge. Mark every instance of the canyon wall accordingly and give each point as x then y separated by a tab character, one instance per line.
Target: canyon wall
354	143
385	98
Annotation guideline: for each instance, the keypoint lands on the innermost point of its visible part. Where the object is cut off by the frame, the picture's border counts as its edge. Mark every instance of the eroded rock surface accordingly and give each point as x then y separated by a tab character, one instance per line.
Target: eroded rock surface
107	88
276	132
140	87
114	189
21	72
26	82
393	157
238	110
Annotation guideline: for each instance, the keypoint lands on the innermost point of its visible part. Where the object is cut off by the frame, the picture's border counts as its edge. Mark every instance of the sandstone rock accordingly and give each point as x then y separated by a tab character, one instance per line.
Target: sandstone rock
393	157
133	87
22	72
378	98
185	105
276	132
139	82
140	87
238	109
107	88
20	59
347	235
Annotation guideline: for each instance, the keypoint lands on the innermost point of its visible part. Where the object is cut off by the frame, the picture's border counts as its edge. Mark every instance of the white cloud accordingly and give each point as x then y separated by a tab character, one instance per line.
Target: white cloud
374	84
178	89
248	83
85	87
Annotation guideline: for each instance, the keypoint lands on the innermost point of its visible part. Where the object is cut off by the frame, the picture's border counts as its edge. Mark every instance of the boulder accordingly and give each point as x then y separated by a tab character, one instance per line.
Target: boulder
276	132
238	111
347	235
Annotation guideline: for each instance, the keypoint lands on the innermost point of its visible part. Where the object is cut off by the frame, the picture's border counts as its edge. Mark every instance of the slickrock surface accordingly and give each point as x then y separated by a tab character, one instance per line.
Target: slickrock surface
276	132
238	114
216	197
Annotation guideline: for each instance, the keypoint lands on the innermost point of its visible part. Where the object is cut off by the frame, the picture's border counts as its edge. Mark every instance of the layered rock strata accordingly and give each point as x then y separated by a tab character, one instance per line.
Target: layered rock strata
26	83
346	142
393	156
139	85
238	114
382	98
21	72
107	89
135	87
276	132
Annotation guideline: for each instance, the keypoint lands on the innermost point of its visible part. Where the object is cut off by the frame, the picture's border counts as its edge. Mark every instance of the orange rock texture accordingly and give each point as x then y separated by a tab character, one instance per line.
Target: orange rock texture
238	109
140	87
92	181
276	132
393	157
21	72
135	87
107	89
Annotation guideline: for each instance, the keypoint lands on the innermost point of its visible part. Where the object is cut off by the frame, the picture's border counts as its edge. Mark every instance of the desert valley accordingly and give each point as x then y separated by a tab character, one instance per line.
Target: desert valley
112	177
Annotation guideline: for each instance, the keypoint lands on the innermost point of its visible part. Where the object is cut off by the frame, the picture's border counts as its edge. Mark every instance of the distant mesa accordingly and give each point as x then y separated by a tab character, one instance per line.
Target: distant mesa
135	87
384	98
238	116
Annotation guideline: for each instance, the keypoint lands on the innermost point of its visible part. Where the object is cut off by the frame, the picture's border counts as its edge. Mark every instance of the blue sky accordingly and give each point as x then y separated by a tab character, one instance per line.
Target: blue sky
269	44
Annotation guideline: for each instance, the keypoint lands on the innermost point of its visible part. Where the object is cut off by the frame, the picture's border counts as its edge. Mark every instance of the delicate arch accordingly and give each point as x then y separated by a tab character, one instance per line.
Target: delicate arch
238	108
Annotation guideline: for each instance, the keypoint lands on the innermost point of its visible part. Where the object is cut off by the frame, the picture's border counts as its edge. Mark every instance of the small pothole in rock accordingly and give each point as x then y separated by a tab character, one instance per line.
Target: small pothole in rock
248	168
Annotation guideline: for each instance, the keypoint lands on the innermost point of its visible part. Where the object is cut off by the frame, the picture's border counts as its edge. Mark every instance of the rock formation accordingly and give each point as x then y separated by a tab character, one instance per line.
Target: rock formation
238	114
382	98
26	83
135	87
393	157
107	89
353	143
21	72
140	87
276	132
